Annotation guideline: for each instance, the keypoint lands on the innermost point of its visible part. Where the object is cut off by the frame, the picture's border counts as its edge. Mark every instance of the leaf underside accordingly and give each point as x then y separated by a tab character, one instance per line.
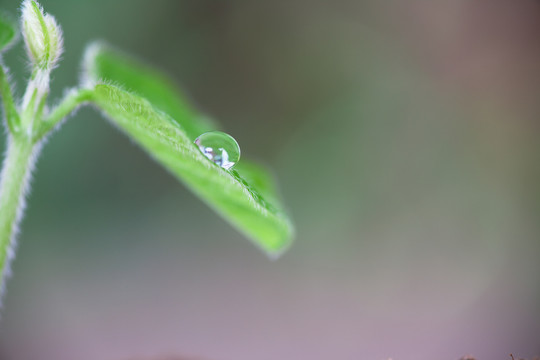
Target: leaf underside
155	115
104	63
7	32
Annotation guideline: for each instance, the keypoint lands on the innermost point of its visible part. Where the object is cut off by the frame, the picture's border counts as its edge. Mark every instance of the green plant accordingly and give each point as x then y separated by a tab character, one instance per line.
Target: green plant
152	112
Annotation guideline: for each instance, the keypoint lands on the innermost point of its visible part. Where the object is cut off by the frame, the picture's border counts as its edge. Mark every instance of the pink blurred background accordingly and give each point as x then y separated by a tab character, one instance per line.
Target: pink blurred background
405	137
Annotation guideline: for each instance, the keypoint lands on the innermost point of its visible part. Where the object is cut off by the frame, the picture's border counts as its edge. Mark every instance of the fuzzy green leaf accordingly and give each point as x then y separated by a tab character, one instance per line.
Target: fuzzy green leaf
254	212
8	35
8	32
103	63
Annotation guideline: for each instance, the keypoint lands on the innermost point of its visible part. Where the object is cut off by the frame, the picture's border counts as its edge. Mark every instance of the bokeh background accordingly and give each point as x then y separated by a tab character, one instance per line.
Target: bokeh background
404	135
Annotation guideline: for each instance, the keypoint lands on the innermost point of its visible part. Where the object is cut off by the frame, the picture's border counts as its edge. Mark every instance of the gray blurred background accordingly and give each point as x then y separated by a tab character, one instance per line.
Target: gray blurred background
405	138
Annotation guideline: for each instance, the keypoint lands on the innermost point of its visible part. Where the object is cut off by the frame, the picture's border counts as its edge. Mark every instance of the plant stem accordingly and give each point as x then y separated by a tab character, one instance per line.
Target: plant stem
23	148
14	183
68	105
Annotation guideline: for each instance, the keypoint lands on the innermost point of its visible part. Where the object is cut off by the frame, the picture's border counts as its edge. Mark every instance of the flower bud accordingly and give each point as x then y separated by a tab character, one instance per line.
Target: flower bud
42	35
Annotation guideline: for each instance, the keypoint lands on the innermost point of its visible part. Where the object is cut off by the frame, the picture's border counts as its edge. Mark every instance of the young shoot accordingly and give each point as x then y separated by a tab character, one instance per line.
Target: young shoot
153	113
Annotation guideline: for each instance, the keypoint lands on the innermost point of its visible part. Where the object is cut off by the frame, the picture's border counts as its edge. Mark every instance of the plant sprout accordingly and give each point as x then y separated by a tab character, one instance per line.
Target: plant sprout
147	107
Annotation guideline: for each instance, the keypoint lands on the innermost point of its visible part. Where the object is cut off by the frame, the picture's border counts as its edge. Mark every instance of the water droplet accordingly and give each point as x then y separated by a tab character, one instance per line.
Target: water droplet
220	148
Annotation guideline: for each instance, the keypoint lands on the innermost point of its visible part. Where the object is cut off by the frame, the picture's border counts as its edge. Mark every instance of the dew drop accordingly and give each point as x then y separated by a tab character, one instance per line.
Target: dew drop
220	148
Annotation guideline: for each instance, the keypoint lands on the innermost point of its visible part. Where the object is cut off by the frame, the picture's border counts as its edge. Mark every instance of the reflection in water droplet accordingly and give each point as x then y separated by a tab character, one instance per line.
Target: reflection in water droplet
220	148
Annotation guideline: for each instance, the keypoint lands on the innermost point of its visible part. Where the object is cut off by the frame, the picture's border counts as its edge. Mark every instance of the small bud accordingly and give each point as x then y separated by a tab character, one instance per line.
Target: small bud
42	35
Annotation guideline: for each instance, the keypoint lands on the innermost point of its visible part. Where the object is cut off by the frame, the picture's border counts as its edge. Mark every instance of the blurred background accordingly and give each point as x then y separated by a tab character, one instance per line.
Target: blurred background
404	135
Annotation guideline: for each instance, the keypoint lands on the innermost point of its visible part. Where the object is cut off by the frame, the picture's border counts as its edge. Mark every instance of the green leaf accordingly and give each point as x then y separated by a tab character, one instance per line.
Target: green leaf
8	35
8	32
254	212
103	63
259	178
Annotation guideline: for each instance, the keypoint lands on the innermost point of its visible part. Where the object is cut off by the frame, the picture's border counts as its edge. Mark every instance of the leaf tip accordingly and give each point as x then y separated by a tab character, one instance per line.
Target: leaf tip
9	33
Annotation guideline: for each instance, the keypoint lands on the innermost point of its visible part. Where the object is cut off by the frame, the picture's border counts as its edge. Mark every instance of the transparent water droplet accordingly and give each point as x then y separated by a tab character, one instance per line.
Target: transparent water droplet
220	148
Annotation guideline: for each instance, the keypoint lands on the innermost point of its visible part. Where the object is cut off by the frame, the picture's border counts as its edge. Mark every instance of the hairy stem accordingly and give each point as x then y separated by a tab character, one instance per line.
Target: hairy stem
22	149
14	183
